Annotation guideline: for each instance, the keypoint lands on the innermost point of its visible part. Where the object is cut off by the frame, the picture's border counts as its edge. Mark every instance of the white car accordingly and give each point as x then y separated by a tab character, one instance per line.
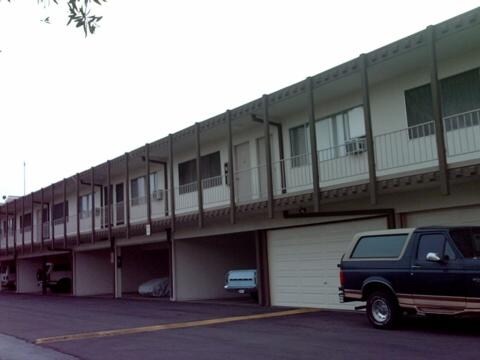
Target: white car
156	287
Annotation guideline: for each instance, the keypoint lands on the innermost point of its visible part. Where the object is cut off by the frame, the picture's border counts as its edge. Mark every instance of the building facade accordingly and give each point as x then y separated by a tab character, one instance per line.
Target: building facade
281	184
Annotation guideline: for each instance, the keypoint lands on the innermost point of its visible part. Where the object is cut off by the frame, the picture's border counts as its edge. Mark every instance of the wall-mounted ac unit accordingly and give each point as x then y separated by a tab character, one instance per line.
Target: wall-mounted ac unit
157	195
356	146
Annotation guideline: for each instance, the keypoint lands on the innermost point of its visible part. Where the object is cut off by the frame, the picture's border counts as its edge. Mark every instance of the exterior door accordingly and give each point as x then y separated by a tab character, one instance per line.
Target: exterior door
119	204
243	175
437	285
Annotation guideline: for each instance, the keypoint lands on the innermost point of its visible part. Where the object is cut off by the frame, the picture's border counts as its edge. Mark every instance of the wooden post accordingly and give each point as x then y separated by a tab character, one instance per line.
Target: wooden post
268	157
313	143
199	176
230	169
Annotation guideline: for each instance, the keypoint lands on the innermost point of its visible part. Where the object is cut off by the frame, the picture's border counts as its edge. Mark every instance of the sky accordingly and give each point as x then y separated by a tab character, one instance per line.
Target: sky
154	67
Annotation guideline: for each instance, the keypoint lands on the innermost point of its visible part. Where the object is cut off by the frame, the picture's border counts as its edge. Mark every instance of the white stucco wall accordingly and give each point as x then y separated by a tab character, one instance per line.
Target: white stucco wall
27	275
93	273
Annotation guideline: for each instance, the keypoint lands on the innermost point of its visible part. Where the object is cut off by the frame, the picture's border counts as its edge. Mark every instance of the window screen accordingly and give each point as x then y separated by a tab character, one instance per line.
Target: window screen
382	246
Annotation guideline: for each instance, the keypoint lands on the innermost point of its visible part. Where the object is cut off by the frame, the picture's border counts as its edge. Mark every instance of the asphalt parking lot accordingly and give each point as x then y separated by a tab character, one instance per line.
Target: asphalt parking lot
164	330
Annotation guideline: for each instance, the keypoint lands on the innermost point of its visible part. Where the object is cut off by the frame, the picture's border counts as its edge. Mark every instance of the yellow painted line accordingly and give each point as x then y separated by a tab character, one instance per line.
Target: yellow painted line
182	325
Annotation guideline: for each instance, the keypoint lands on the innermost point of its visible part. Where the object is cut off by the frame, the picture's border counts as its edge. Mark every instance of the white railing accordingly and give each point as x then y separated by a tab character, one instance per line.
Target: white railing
343	161
158	202
462	133
138	209
292	174
250	184
186	197
214	191
406	147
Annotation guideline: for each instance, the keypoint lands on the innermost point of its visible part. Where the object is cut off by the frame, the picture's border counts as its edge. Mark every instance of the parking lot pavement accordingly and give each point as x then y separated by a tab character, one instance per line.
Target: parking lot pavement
12	348
316	335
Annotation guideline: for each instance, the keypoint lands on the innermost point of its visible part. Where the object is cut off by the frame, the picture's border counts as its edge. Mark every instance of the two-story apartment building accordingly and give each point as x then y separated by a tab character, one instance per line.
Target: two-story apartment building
281	184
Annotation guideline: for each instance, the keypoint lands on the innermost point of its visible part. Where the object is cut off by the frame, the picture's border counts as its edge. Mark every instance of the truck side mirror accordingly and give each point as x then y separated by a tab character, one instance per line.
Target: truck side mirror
431	256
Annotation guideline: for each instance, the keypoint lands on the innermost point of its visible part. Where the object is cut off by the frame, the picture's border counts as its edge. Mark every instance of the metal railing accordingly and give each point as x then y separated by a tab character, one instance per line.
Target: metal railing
250	184
410	146
292	174
186	197
462	133
215	191
343	161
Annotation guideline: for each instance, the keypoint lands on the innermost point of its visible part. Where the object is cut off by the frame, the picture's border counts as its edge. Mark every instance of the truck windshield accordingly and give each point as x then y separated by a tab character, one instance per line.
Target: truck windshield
467	241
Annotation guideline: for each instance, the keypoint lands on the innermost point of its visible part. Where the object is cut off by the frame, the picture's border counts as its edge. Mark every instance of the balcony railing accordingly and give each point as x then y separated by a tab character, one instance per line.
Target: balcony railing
215	191
250	184
402	148
462	133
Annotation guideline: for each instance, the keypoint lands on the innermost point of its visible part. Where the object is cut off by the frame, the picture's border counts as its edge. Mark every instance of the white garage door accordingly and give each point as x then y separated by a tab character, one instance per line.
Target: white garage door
303	262
454	216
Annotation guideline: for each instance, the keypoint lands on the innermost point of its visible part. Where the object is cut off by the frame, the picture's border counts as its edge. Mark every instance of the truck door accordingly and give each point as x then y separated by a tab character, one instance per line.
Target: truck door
437	274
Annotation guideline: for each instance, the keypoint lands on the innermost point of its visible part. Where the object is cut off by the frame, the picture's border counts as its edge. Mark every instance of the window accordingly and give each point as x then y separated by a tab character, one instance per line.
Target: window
382	246
299	145
335	132
460	93
138	190
210	173
468	242
27	222
434	243
58	212
85	206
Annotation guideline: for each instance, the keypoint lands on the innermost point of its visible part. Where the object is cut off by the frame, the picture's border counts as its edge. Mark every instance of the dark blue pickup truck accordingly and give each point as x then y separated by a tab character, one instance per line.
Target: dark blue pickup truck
428	270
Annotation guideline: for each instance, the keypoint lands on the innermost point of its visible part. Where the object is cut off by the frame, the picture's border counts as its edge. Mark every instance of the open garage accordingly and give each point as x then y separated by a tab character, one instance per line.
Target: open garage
54	269
201	264
147	265
94	273
303	262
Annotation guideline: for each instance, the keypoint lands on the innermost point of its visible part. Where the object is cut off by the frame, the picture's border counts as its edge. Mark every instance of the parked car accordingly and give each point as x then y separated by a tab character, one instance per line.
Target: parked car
8	277
242	282
428	270
57	277
156	287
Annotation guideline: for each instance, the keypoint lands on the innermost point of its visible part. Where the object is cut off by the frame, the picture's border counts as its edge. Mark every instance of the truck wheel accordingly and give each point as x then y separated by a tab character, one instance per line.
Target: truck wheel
382	310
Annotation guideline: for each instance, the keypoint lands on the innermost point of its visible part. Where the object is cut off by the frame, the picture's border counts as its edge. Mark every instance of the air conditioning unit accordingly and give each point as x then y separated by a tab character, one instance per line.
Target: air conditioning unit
356	146
157	195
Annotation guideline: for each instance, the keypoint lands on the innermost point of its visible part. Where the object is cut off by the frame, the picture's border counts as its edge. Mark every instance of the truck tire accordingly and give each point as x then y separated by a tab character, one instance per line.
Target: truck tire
63	286
382	310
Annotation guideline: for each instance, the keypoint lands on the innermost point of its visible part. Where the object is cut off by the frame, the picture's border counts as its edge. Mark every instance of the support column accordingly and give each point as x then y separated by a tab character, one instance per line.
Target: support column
117	272
31	225
230	168
367	115
65	209
127	197
77	194
172	183
109	202
199	176
313	143
268	156
437	112
52	223
6	233
14	226
173	277
92	191
42	235
147	185
23	224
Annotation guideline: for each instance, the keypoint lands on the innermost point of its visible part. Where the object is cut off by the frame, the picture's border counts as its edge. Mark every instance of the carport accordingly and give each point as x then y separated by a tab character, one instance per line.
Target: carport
28	268
201	264
141	263
93	272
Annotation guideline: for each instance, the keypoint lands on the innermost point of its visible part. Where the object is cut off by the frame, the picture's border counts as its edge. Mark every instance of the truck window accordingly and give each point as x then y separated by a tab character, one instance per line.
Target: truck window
436	243
381	246
468	242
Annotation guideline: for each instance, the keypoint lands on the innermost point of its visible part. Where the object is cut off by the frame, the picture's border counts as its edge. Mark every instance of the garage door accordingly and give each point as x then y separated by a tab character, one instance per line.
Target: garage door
303	262
454	216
